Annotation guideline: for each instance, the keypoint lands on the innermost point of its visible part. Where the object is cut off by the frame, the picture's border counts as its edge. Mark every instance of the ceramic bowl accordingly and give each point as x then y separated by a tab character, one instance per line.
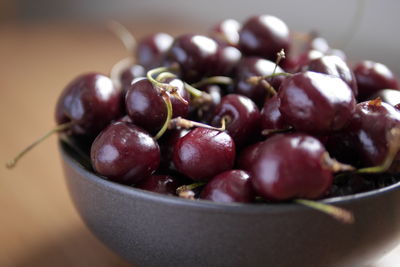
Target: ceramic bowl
150	229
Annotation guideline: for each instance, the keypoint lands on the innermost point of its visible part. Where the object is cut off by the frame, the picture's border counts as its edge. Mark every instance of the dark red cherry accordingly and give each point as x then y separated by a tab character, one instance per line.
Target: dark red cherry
271	117
304	58
163	184
227	32
167	144
242	118
226	59
90	102
151	49
229	186
372	77
370	128
264	36
130	74
316	103
248	155
125	153
194	54
390	96
255	66
146	107
334	65
291	166
203	153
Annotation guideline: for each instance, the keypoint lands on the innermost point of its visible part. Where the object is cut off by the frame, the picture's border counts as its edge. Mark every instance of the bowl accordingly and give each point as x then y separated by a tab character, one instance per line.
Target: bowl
150	229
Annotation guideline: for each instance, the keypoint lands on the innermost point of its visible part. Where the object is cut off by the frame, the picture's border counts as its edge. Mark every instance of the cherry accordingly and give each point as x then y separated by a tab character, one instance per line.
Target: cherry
315	102
334	65
264	36
167	143
146	107
226	59
124	153
206	110
227	32
292	166
90	102
372	77
370	130
248	155
271	117
129	75
152	49
163	184
242	118
194	54
254	66
229	186
203	153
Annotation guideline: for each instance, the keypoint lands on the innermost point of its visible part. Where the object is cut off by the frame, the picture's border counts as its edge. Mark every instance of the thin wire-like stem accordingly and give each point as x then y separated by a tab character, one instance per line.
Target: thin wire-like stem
157	71
223	80
123	34
168	104
59	128
339	214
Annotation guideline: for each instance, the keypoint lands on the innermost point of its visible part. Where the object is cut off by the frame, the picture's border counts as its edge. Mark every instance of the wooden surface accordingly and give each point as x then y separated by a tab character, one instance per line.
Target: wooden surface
38	224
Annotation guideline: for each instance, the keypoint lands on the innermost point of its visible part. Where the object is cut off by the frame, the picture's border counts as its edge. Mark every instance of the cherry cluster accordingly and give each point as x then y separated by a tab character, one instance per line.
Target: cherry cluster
249	112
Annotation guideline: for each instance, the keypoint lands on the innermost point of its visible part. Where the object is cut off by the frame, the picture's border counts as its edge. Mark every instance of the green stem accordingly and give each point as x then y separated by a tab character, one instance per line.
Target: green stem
339	214
123	34
59	128
194	92
168	104
151	73
214	80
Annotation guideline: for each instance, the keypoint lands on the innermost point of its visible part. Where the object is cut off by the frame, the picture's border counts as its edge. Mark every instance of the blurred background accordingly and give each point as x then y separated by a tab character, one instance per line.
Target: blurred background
46	43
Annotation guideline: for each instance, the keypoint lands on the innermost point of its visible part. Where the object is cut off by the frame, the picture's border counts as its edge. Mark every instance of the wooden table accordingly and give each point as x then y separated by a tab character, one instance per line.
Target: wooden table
39	226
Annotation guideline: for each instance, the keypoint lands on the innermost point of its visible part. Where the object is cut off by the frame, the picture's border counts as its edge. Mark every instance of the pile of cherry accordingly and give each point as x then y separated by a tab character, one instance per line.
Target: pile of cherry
251	112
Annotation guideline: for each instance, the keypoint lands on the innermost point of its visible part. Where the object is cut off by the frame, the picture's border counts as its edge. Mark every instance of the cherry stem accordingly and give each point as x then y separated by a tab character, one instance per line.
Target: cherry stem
334	165
223	80
165	75
339	214
186	191
394	147
123	34
167	122
155	82
116	69
180	122
280	55
59	128
199	97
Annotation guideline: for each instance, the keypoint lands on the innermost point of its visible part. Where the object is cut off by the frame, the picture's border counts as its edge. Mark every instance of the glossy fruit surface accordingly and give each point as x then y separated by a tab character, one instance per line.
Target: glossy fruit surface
130	74
203	153
151	49
334	65
125	153
315	102
254	66
271	117
291	166
229	186
264	36
242	118
372	77
90	102
163	184
194	54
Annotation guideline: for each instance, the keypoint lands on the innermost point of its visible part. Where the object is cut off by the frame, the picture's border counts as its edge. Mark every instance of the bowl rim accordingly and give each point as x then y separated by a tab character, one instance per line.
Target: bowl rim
104	184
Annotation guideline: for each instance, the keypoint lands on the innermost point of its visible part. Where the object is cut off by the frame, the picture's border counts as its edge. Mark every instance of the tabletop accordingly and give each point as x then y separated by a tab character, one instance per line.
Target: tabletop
39	225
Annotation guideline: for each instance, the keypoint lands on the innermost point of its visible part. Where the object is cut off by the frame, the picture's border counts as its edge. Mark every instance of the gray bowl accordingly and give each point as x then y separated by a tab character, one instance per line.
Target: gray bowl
150	229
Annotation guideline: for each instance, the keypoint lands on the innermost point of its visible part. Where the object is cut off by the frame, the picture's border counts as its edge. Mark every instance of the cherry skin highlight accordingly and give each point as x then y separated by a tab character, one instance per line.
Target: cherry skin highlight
203	153
90	102
229	186
125	153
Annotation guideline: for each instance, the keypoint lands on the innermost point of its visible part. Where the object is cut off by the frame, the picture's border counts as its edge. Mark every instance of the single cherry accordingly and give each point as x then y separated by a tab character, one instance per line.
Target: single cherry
242	118
203	153
125	153
292	166
163	184
316	103
264	36
229	186
130	74
372	77
271	117
90	102
151	49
